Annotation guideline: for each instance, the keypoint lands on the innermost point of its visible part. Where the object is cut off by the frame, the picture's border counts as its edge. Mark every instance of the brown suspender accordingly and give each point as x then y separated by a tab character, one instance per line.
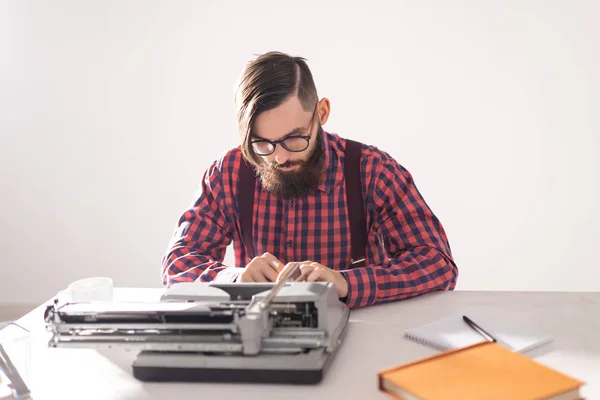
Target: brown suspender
245	201
354	198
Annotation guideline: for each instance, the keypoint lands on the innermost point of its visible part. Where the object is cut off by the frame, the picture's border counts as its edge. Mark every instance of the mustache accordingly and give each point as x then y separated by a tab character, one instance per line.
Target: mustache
276	165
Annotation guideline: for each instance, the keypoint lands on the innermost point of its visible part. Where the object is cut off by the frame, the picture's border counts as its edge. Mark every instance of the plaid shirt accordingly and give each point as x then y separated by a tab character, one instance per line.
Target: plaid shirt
407	252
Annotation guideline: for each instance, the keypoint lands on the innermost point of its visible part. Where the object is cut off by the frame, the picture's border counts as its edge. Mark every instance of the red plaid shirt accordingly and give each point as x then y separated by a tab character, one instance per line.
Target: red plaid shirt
407	252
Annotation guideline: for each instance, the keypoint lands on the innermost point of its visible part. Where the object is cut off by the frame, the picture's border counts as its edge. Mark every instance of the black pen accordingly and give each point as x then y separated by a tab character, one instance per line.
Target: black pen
479	329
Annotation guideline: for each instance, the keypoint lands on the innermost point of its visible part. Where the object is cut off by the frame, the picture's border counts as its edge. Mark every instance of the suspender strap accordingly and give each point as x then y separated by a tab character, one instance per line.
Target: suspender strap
354	199
245	201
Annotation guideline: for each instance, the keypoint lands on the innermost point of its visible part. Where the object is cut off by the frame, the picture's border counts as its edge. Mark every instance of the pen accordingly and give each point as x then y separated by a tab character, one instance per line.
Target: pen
479	329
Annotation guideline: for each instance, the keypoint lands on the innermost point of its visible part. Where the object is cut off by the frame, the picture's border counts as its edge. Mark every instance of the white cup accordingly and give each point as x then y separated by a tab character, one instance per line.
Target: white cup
90	290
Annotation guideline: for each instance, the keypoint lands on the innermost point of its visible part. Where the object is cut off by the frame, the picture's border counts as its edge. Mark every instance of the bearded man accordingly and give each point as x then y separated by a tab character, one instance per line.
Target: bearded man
293	192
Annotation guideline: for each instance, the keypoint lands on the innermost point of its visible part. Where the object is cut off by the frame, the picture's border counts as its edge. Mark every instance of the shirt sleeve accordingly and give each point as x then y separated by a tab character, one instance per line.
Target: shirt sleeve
419	259
203	232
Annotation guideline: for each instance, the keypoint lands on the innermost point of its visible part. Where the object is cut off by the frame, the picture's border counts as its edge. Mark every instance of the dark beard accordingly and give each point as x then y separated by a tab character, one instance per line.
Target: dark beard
298	183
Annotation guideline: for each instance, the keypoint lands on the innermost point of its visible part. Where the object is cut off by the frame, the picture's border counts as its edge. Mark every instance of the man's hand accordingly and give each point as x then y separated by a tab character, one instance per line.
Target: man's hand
315	272
261	269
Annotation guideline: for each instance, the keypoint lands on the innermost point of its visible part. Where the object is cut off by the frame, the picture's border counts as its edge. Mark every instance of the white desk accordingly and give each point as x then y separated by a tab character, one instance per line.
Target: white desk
374	341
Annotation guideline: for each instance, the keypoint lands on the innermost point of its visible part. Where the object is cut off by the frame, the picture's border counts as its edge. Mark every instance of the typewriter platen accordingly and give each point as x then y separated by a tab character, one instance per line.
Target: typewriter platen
287	332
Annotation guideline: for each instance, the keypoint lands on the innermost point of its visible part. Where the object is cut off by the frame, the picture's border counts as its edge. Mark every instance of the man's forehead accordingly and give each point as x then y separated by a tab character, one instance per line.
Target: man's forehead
289	118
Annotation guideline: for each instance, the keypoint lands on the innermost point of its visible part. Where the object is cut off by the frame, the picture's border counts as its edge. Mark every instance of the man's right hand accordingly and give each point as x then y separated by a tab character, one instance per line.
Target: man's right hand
264	268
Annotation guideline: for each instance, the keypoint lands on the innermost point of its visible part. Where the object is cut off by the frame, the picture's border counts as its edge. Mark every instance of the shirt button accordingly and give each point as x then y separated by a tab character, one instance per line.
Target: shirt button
292	203
289	243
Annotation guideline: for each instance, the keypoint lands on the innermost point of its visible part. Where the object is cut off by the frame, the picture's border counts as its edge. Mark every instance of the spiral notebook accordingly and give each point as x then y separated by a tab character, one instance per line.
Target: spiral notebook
517	332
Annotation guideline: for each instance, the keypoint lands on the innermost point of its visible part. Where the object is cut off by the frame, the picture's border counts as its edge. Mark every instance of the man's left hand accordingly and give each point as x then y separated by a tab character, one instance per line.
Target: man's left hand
315	272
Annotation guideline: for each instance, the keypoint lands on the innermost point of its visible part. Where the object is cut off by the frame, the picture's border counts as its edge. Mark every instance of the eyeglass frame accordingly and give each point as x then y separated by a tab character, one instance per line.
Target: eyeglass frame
274	143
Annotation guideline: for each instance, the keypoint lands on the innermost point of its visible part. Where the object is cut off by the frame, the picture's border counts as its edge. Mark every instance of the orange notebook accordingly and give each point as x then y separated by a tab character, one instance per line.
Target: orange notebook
481	371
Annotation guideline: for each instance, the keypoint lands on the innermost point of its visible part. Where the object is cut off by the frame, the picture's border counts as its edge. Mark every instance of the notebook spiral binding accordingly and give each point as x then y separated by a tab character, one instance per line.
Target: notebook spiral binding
426	342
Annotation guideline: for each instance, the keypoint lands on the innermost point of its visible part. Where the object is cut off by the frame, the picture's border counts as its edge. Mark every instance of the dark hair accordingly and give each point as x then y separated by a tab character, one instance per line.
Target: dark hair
266	83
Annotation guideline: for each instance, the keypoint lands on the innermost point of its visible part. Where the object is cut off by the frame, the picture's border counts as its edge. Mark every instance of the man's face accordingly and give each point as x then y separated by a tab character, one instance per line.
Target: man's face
285	172
288	120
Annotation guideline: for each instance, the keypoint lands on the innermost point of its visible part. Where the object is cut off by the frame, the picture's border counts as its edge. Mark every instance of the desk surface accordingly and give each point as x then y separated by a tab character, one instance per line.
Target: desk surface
373	342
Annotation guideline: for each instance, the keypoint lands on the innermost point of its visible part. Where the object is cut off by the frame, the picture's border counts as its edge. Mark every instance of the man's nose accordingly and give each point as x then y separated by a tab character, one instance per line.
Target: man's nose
281	155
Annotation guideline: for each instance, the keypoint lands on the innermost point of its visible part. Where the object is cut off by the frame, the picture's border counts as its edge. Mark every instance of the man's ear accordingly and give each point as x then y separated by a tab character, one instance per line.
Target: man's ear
324	107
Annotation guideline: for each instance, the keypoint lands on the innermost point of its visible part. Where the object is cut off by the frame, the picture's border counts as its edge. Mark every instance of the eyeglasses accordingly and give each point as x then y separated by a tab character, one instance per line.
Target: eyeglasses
295	144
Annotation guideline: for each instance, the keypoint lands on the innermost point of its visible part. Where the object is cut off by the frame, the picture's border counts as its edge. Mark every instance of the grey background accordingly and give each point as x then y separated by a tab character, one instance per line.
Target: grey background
111	110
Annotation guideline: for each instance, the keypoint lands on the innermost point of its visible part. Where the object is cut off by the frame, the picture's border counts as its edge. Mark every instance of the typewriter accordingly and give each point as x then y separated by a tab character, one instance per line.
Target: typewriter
284	332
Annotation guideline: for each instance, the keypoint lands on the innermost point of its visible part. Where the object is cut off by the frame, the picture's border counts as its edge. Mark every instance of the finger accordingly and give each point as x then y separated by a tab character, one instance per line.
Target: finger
307	267
258	273
305	270
246	277
273	262
318	275
284	271
267	272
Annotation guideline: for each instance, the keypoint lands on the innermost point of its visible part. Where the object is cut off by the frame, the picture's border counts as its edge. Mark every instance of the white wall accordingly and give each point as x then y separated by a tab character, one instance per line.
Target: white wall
111	110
